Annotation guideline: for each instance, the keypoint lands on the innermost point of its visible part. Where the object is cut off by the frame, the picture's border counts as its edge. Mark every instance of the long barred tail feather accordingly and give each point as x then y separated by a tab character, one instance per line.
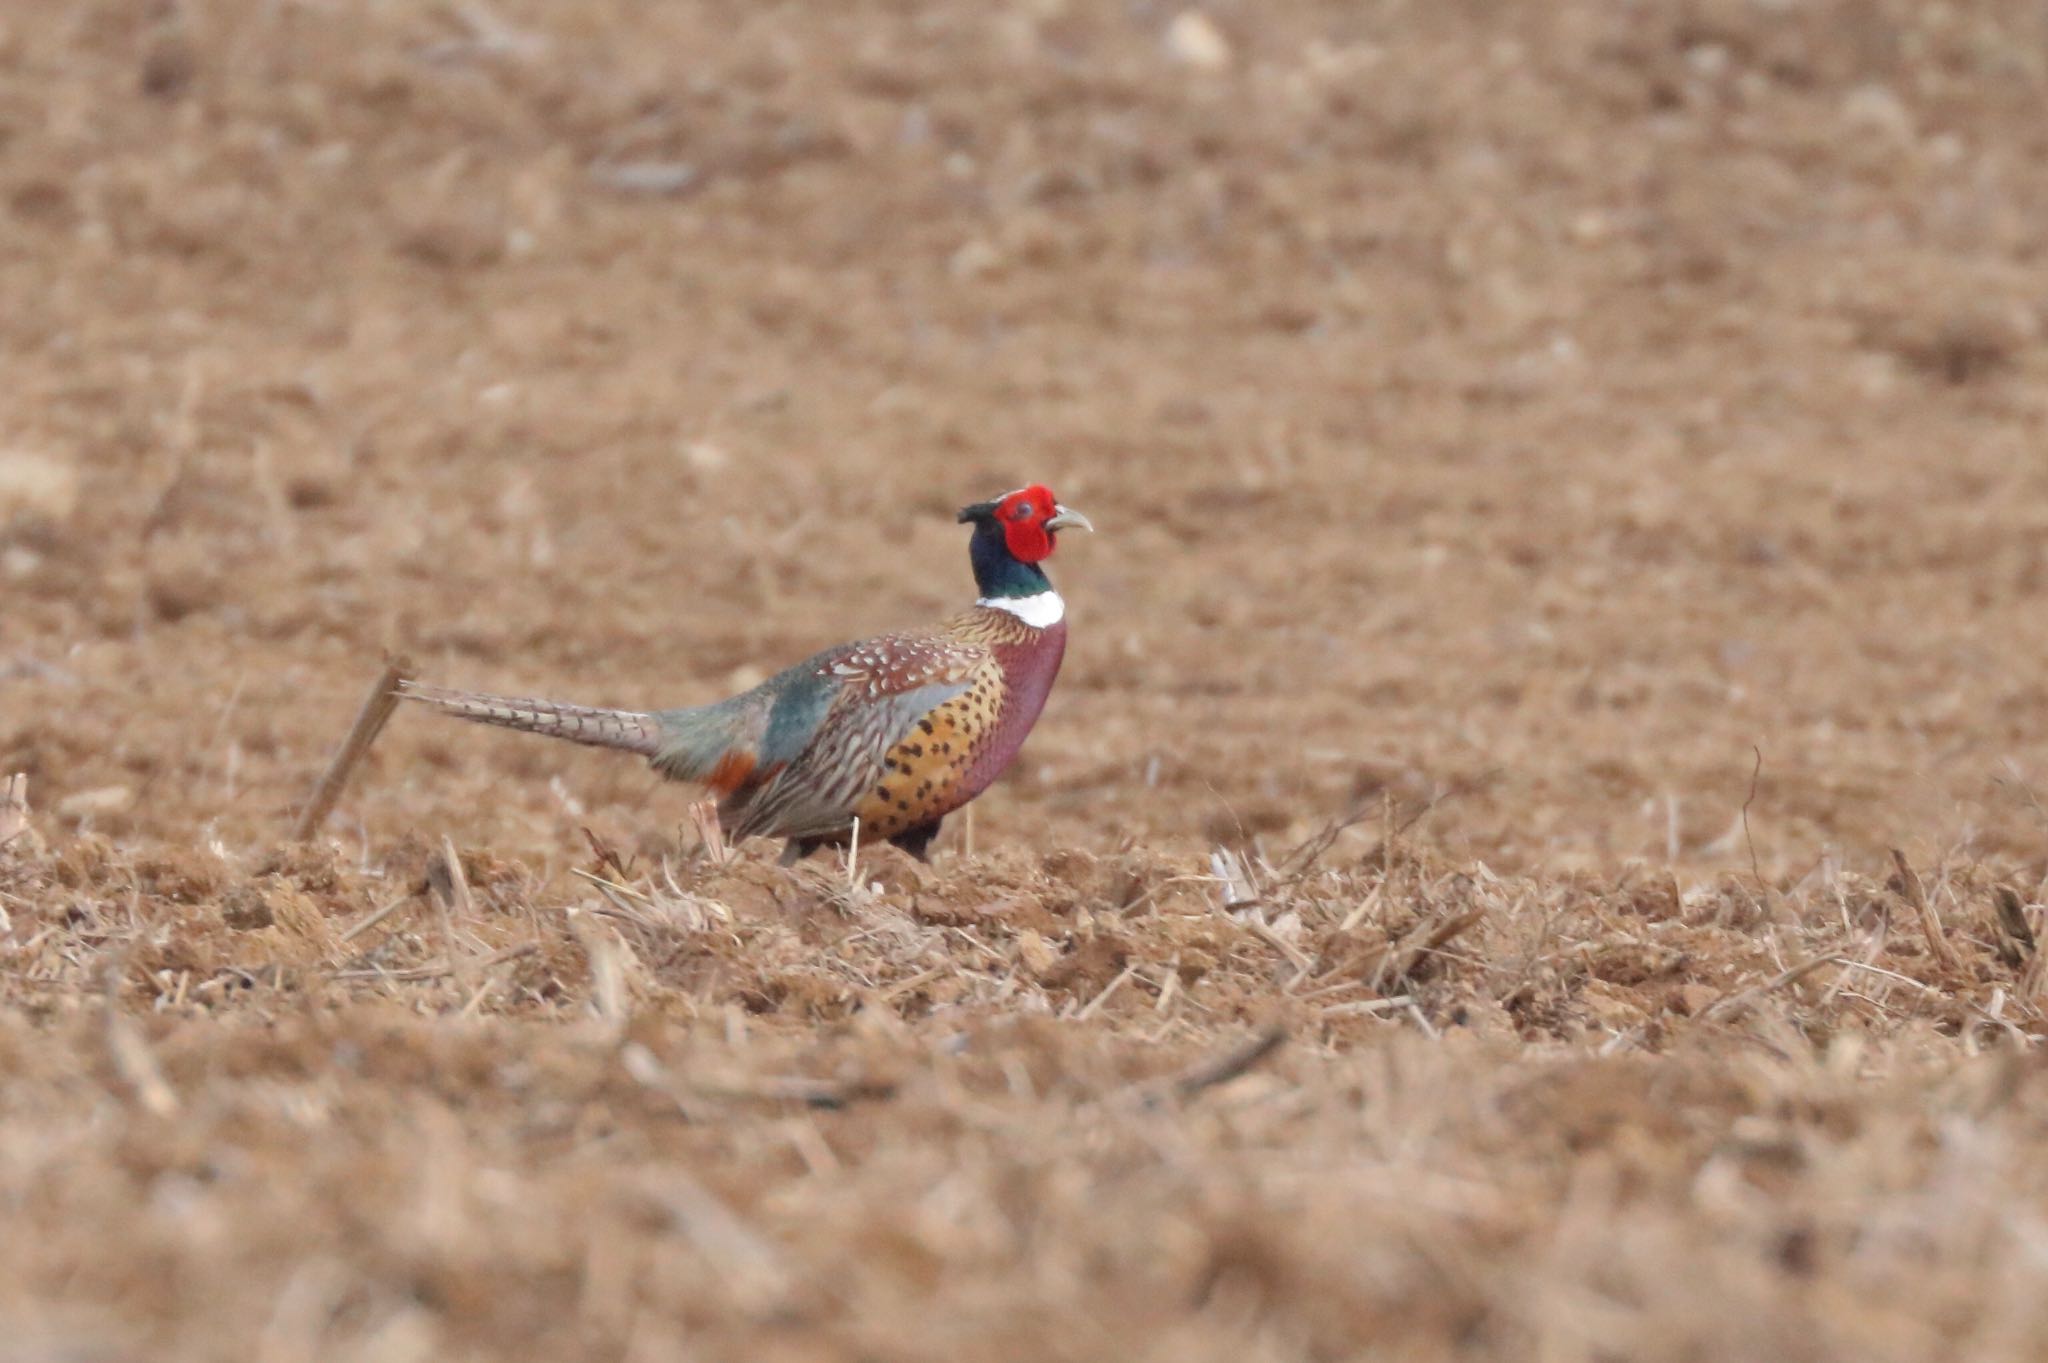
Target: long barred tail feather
629	730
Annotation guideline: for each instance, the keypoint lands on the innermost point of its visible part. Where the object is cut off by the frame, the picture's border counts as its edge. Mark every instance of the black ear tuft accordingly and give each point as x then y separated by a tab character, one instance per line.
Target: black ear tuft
980	511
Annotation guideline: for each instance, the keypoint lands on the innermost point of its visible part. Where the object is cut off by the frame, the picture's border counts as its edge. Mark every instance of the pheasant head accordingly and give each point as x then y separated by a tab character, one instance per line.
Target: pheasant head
1013	535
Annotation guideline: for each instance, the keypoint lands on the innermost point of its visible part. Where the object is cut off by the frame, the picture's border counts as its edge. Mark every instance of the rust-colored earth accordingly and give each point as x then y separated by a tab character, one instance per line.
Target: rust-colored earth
1524	439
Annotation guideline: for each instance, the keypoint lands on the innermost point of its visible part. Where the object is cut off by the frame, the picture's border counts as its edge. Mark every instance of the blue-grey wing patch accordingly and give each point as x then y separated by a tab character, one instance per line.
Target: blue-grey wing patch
816	794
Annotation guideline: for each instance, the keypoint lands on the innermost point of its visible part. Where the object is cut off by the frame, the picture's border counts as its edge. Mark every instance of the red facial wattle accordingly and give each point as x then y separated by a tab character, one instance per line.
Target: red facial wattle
1023	515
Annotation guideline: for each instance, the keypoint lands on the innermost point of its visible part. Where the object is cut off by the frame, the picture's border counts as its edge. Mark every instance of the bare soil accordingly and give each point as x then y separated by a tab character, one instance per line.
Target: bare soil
1572	502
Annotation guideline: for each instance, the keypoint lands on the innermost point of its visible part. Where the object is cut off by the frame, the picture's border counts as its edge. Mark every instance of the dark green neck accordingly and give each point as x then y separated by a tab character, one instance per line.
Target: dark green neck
998	573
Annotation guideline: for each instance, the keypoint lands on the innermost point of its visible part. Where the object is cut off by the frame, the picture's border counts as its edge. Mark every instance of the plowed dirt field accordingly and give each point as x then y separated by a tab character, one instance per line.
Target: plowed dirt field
1534	855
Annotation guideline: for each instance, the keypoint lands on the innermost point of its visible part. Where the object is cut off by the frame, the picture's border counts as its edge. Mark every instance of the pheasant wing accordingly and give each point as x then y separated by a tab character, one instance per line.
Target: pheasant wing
834	723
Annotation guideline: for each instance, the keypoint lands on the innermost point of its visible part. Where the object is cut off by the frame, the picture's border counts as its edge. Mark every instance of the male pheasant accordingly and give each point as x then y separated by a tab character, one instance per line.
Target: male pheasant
896	732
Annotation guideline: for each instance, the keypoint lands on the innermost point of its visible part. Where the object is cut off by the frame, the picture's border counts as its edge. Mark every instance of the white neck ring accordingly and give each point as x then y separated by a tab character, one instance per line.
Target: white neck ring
1041	611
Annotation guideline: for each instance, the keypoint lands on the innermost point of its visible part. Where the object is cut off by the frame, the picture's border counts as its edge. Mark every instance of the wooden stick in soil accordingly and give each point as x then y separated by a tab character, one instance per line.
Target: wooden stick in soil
1915	896
1736	998
13	807
441	968
376	709
133	1060
2015	936
1398	964
1221	1069
363	925
451	896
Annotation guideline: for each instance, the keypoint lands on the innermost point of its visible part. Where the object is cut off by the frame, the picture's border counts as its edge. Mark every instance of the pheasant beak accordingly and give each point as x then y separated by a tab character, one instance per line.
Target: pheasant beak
1064	519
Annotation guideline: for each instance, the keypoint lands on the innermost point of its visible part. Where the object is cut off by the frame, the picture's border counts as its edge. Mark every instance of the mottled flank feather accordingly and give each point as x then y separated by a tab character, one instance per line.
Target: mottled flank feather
627	730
